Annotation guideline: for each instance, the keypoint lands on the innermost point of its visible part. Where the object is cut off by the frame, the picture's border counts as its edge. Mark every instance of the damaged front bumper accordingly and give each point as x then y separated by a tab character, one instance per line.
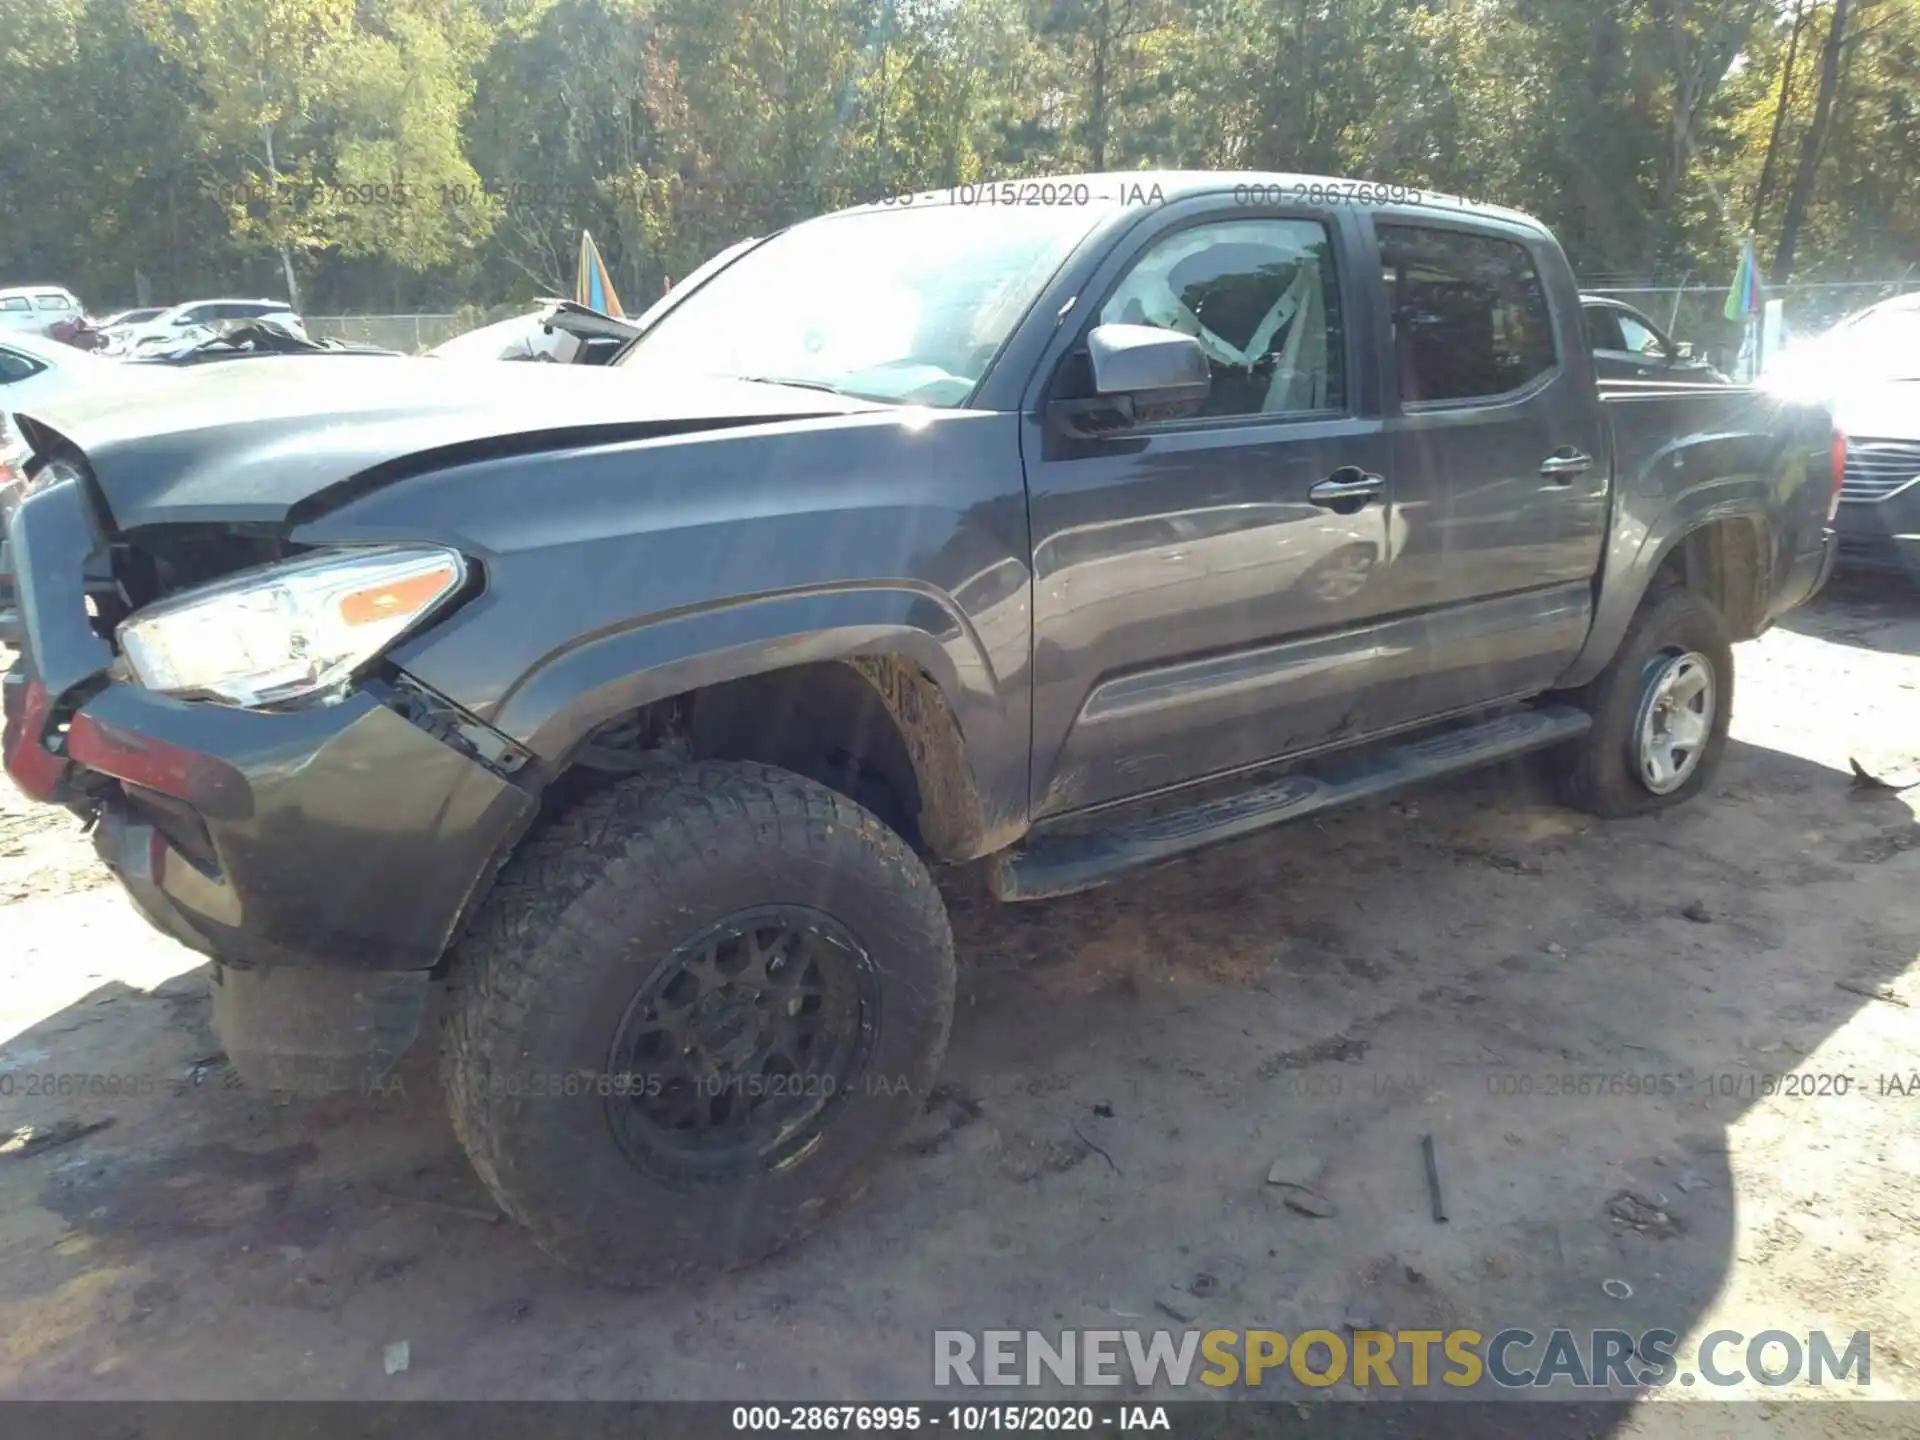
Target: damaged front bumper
352	835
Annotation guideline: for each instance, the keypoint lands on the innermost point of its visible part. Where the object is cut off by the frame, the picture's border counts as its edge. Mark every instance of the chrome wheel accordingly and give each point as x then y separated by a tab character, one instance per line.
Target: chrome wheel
1676	717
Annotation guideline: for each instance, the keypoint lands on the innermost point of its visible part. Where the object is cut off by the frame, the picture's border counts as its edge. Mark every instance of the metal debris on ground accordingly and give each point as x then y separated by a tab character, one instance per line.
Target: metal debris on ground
1871	992
35	1139
470	1212
1642	1214
1183	1305
1310	1203
1433	1180
1869	784
1302	1171
1618	1289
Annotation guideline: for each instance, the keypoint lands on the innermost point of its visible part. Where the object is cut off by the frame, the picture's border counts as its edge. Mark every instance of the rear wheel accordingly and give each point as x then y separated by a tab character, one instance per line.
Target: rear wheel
1660	711
694	1017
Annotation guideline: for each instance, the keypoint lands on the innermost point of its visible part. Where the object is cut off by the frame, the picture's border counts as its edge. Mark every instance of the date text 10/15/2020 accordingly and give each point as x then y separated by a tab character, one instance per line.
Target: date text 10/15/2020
1022	193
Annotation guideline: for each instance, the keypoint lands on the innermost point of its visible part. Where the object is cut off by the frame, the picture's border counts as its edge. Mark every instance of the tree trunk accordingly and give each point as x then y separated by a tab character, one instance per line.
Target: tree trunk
286	251
1764	191
1097	109
1808	168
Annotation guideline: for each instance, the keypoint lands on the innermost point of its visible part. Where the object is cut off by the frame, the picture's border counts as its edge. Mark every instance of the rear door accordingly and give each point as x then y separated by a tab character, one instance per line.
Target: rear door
1498	456
1202	598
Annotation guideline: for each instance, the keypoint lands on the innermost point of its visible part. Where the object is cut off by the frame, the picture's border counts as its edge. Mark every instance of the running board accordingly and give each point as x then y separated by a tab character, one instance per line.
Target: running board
1062	864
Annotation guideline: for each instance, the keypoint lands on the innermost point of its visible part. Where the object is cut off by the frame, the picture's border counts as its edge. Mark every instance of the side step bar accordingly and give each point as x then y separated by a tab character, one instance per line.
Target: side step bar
1060	865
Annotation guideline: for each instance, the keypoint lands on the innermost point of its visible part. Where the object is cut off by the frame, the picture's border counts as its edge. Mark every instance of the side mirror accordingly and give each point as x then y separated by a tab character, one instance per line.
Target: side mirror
1682	350
1141	373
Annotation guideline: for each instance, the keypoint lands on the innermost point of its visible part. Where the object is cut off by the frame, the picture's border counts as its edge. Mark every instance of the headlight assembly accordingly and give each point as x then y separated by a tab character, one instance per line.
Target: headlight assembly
290	630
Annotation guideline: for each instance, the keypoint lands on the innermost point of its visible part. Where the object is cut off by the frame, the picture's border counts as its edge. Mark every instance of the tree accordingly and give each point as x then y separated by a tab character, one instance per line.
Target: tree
1805	172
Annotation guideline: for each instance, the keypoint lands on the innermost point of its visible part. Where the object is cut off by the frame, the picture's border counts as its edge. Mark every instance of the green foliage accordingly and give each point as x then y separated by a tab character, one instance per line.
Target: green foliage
395	154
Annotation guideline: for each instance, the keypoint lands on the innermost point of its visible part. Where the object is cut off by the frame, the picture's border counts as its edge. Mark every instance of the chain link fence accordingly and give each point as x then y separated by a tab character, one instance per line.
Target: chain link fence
412	334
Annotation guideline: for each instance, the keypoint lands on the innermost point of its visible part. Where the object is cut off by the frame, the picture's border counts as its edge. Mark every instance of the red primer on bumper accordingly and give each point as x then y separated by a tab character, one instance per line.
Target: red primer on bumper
34	768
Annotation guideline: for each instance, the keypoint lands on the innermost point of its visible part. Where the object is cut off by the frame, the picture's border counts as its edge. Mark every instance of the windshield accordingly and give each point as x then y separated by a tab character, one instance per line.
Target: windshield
904	304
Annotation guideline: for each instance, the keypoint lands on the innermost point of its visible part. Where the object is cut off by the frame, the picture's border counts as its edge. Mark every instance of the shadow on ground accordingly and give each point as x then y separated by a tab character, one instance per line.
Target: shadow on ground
1125	1067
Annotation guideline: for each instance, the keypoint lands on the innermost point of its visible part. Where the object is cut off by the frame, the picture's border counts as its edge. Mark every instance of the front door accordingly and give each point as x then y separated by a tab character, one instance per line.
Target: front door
1204	589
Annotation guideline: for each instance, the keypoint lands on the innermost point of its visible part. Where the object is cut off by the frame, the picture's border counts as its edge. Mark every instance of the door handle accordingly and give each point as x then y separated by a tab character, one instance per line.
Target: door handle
1346	485
1565	463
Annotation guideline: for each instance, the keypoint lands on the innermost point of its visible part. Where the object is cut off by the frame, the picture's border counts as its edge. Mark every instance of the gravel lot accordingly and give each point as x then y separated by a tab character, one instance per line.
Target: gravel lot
1125	1067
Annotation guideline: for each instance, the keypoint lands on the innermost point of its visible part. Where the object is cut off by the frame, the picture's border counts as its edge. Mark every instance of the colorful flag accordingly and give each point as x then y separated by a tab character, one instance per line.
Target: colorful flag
593	287
1743	296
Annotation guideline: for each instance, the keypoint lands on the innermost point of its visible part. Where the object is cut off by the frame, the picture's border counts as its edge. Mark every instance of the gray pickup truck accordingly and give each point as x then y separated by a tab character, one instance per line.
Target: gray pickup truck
1061	526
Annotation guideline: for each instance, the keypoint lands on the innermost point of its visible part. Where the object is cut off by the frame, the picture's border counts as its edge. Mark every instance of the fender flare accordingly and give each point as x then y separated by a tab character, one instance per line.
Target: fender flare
911	643
1637	553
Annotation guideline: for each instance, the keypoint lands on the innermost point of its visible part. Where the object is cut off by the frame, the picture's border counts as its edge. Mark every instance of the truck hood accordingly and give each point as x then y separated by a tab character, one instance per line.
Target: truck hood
251	441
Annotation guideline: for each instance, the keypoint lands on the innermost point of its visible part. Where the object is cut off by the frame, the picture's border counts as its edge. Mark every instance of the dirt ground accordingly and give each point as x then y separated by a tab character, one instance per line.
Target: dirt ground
1125	1067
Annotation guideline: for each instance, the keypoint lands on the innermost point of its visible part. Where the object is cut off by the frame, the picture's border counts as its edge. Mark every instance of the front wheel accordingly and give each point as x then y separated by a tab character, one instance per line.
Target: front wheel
693	1017
1660	711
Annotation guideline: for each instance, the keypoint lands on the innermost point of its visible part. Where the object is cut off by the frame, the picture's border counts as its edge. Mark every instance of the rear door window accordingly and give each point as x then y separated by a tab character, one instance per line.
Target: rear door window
52	302
1470	317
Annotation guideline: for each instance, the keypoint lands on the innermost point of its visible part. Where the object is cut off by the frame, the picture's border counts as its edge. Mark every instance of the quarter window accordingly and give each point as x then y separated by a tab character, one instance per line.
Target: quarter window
1470	318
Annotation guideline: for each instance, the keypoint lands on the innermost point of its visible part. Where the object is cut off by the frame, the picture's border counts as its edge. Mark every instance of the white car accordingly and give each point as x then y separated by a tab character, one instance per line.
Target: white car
36	309
167	328
33	368
123	323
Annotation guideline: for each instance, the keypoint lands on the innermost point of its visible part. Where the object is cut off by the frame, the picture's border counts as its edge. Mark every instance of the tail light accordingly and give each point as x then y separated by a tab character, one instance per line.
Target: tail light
1837	463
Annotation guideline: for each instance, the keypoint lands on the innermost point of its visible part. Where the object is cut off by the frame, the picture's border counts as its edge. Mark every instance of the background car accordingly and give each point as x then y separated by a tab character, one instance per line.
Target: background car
130	318
36	309
34	368
264	335
1629	346
561	333
1868	368
123	323
166	328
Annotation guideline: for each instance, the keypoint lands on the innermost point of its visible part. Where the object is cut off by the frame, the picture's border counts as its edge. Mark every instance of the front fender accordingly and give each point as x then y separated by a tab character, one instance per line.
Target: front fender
554	708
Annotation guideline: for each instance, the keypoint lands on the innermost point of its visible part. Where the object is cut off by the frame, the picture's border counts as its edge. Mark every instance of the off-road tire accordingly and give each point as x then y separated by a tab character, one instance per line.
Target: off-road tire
584	912
1598	773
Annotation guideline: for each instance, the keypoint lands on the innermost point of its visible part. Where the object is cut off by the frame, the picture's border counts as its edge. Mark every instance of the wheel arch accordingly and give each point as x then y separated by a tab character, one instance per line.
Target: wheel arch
877	703
1721	550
